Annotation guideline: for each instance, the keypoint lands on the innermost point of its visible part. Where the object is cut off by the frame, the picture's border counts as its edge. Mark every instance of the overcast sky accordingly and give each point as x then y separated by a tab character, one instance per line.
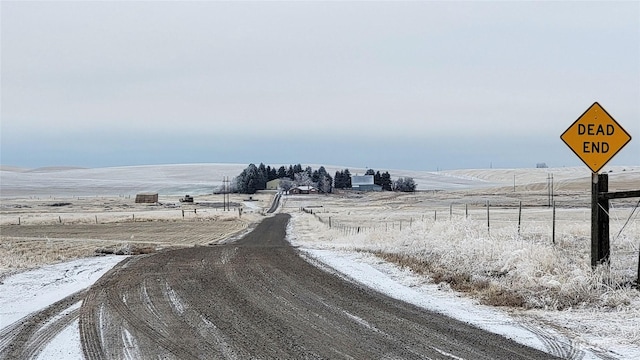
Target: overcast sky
388	85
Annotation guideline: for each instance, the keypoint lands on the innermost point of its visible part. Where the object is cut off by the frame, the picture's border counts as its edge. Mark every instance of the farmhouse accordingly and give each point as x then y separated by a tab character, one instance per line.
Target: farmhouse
146	198
364	183
304	189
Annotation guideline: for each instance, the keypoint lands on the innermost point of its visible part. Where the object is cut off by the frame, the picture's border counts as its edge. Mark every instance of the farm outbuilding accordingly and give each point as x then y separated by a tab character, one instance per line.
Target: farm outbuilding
273	184
368	187
146	198
364	183
305	189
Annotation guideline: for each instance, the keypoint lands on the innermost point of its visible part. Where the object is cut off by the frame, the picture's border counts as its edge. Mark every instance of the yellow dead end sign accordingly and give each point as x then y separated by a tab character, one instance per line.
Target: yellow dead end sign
595	137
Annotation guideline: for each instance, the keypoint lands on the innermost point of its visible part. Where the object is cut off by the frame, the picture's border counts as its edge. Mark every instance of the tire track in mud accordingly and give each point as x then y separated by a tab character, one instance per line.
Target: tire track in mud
139	327
106	315
89	327
257	298
119	312
558	348
27	337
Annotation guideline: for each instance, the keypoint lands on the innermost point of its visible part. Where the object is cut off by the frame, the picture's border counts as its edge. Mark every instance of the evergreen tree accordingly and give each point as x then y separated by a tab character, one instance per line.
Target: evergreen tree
377	178
282	172
347	179
261	178
324	180
337	180
251	186
246	181
385	181
254	178
342	179
273	174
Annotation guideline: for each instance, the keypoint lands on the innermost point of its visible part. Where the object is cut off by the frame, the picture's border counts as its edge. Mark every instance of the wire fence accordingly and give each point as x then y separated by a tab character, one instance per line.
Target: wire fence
571	227
547	222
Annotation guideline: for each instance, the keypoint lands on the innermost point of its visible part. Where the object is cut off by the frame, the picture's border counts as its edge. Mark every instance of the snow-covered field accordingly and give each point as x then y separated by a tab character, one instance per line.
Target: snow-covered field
175	179
599	314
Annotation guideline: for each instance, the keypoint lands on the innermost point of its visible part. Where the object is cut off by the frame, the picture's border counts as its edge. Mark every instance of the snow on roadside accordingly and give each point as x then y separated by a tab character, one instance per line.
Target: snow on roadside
24	293
29	291
401	284
66	345
391	280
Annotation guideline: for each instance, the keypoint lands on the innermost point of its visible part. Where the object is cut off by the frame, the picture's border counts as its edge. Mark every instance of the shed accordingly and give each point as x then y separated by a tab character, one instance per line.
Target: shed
146	198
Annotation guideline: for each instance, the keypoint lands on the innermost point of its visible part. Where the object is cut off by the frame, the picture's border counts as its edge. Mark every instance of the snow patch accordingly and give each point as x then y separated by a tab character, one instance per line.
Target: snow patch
24	293
175	300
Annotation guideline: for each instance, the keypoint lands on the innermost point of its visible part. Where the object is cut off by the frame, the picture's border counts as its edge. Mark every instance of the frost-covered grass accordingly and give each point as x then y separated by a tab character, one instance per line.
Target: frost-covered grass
528	269
19	254
525	271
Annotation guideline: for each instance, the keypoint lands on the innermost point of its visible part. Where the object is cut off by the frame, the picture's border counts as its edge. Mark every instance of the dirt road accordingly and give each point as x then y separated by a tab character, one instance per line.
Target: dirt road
254	298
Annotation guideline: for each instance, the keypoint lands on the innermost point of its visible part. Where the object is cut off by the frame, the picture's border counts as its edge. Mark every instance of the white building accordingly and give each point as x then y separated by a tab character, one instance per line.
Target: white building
364	183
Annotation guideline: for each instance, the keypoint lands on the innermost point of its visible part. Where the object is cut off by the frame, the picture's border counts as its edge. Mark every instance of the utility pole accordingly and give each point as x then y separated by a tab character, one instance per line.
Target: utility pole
225	193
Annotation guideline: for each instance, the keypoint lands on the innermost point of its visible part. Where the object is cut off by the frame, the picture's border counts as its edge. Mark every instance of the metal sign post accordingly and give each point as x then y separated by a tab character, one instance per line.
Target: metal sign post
600	249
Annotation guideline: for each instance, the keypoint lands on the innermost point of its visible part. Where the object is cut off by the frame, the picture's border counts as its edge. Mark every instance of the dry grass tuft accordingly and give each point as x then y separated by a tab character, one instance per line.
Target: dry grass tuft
127	249
483	289
496	295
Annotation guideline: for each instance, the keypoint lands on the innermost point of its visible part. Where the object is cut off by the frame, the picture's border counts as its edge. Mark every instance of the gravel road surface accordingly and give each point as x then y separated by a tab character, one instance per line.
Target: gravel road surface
255	298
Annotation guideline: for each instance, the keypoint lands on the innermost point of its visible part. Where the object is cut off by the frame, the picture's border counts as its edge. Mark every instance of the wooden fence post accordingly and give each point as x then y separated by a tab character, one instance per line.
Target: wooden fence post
599	220
553	227
638	280
488	223
519	216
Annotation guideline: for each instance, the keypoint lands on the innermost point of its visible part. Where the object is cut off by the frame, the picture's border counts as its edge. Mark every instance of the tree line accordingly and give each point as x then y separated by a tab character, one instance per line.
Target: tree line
254	178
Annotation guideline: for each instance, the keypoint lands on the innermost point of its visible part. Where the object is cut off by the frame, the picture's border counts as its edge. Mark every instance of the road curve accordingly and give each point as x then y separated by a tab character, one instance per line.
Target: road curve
256	298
